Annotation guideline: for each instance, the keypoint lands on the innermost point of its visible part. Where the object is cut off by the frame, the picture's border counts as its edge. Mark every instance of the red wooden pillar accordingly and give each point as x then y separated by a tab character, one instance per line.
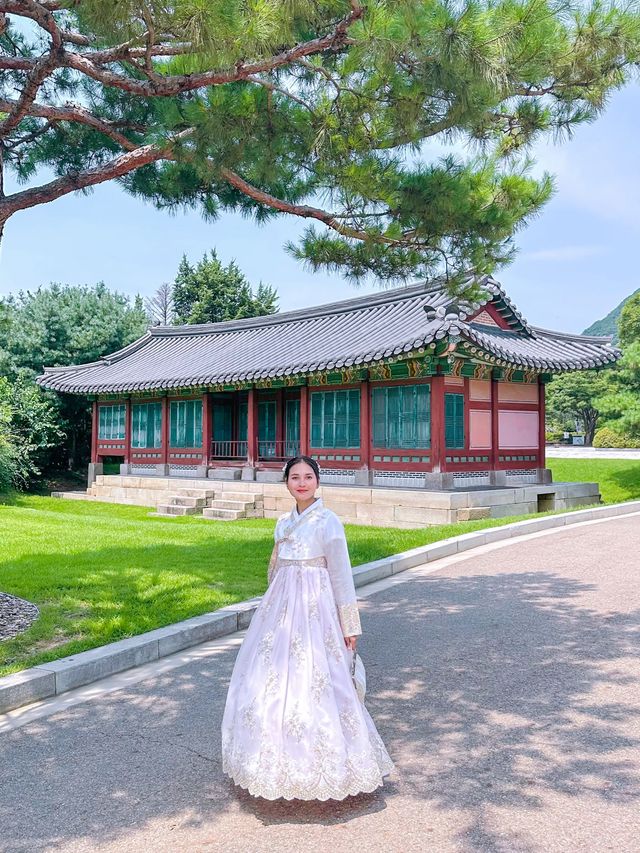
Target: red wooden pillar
495	422
304	420
542	433
438	449
164	430
365	426
127	431
94	431
252	427
207	427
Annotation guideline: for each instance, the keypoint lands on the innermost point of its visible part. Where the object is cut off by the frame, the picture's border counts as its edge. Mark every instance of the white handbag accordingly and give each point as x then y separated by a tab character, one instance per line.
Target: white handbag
358	676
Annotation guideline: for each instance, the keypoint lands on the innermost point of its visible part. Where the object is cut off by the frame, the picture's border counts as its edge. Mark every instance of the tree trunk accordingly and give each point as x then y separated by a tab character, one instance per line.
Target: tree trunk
590	418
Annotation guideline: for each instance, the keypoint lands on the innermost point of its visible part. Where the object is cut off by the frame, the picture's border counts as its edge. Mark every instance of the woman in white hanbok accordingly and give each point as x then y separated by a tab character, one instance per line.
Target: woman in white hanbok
293	725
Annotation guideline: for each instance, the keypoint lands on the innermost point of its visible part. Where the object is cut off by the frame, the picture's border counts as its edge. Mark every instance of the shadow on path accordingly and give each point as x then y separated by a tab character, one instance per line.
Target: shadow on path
487	690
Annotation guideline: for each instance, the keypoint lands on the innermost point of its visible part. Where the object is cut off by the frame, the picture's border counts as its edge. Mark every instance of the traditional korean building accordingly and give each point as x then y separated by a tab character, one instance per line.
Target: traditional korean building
404	388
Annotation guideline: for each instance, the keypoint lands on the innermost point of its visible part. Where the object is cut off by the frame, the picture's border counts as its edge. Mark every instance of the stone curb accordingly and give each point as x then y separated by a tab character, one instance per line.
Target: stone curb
51	679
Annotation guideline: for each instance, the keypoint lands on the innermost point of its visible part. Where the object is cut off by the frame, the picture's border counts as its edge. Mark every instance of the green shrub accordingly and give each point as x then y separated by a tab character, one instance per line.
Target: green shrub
607	437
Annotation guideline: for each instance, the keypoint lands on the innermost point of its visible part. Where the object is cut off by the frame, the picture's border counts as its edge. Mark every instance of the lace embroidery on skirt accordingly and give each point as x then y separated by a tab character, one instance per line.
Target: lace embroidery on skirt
293	725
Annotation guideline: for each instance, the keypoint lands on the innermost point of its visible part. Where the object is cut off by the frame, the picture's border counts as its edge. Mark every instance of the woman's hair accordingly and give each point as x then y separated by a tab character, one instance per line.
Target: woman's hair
307	460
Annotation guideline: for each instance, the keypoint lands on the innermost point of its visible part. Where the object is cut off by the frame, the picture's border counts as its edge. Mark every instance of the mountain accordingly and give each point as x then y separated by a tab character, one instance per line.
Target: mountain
609	324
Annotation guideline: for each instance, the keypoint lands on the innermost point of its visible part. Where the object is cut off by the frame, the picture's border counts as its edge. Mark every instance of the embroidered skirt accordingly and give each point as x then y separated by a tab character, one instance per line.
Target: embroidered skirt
293	725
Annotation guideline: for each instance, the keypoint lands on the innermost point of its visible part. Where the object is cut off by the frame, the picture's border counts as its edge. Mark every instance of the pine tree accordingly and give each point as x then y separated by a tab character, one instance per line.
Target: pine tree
276	108
210	292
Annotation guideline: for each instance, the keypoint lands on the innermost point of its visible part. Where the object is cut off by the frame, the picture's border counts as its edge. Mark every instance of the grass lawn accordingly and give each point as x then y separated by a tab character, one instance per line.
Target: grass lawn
100	572
619	478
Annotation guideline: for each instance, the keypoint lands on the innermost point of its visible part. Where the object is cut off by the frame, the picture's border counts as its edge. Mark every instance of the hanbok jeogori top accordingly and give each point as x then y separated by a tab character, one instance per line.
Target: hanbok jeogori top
313	536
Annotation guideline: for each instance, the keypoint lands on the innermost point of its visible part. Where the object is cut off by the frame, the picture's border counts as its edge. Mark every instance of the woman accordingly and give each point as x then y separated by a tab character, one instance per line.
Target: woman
293	724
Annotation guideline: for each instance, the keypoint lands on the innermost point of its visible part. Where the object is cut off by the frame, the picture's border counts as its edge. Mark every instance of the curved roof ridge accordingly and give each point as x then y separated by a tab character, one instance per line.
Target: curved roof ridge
341	306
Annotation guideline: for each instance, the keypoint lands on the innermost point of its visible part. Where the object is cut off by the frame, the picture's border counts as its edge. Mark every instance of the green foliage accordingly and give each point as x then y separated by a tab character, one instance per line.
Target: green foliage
607	437
60	325
573	397
620	402
28	429
348	127
629	322
8	451
66	324
210	292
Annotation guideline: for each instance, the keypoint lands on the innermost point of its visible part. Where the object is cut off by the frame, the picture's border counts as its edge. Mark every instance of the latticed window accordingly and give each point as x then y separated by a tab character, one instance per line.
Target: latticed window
454	420
111	422
146	425
401	416
335	418
186	423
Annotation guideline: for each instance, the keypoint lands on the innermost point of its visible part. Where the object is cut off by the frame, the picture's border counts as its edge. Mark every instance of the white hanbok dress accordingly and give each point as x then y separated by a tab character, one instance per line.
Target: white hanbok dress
293	725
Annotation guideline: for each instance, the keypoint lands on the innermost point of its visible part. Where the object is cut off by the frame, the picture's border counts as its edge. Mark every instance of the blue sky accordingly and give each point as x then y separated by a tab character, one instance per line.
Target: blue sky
575	262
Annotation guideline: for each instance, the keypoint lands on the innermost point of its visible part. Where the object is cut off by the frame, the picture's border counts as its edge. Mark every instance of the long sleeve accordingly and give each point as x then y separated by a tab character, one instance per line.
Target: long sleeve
339	567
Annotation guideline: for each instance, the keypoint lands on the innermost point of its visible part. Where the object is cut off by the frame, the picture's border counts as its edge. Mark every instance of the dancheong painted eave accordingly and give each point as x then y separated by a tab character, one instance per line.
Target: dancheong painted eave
363	331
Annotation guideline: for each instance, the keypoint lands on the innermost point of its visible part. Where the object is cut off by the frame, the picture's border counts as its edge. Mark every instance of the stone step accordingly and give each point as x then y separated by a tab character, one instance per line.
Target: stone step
222	514
247	497
183	500
196	493
223	503
173	509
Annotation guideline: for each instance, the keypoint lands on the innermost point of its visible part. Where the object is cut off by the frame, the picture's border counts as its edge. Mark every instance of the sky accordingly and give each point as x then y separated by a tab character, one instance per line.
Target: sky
575	262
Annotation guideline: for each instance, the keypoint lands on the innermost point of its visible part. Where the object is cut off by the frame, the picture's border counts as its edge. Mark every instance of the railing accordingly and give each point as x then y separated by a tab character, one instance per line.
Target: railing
229	449
267	450
278	450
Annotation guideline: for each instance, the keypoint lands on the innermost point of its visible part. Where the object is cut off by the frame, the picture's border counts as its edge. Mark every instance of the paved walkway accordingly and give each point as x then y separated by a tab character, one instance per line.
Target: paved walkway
577	452
506	686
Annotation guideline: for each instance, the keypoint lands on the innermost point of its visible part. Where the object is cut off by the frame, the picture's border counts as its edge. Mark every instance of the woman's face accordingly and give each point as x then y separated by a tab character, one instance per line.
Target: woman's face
302	481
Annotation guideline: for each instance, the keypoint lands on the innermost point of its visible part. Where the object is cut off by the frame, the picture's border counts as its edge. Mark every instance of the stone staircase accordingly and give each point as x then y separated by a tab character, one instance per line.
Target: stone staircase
205	498
229	507
187	502
234	505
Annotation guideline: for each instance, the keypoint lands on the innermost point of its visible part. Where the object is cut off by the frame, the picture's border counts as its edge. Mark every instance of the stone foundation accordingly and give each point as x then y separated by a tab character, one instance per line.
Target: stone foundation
382	507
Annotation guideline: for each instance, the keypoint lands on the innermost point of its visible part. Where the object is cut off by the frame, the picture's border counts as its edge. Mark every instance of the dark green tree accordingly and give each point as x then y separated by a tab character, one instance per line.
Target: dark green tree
29	429
620	404
60	325
210	292
573	396
317	109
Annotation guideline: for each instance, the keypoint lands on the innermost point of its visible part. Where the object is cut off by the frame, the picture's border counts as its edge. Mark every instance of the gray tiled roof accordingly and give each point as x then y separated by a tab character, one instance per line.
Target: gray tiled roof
356	331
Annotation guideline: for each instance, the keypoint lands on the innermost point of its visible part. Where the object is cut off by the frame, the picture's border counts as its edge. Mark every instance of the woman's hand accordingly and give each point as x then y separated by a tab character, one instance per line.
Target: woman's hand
350	643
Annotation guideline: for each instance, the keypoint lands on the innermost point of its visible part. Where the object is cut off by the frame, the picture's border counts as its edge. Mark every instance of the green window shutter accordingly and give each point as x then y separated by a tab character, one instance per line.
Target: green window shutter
340	438
173	424
317	417
353	435
454	420
292	427
329	420
407	431
157	425
379	416
111	422
267	420
423	416
186	423
222	420
146	425
243	415
190	423
393	417
138	426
